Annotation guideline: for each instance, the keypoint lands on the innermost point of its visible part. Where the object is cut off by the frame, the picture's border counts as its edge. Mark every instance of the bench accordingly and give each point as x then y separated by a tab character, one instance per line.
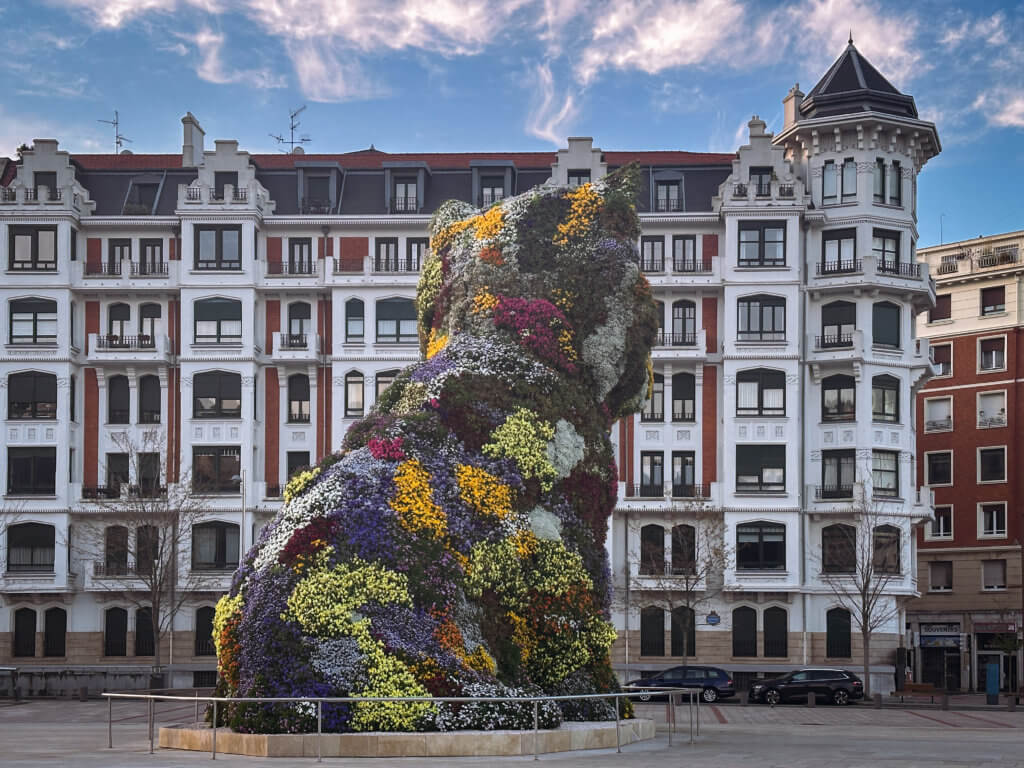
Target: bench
912	690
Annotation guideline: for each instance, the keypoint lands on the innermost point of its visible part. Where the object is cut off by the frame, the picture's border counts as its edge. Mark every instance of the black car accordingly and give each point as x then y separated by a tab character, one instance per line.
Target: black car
714	683
835	685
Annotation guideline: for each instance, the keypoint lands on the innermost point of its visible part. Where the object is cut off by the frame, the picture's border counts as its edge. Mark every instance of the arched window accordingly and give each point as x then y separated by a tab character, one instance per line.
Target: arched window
761	546
24	632
298	398
385	379
837	634
684	632
760	392
761	318
204	632
115	551
684	397
744	631
217	395
353	395
354	325
885	398
119	315
33	321
838	321
838	398
662	340
684	323
149	323
145	643
115	632
55	628
652	631
886	549
396	321
30	547
654	405
652	550
838	548
147	549
149	400
118	400
885	324
214	546
299	324
32	395
218	320
684	549
776	632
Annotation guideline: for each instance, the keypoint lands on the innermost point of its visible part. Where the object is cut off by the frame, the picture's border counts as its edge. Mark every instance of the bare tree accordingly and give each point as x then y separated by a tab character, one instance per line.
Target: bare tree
137	541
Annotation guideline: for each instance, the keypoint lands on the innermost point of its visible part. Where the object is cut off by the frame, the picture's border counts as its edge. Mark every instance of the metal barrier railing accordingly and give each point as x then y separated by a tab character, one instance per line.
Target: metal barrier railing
151	699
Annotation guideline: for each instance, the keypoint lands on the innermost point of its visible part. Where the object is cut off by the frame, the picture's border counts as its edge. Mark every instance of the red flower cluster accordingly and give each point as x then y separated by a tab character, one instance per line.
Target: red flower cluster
308	540
539	326
384	448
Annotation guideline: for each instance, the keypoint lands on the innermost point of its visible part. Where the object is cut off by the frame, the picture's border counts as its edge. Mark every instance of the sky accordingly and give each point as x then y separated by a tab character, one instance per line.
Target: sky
516	75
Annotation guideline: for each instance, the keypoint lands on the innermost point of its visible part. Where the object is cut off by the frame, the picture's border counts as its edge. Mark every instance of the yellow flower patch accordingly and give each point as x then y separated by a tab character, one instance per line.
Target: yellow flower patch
489	224
414	501
585	205
484	303
437	342
483	491
444	238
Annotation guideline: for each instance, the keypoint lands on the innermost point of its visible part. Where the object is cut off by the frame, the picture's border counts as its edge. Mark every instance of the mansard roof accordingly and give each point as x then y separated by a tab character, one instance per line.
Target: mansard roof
853	85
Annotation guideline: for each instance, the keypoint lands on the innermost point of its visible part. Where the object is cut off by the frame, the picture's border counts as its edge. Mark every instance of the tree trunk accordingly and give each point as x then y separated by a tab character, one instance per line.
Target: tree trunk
866	640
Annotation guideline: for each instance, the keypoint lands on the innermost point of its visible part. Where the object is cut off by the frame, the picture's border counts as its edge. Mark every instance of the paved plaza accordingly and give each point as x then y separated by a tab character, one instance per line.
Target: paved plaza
65	733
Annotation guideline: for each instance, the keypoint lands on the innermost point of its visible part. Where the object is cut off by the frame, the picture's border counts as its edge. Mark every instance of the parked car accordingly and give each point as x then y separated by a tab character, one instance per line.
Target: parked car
835	685
714	683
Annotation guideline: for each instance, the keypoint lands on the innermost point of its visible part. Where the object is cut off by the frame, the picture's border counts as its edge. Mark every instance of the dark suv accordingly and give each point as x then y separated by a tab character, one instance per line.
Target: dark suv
714	683
835	685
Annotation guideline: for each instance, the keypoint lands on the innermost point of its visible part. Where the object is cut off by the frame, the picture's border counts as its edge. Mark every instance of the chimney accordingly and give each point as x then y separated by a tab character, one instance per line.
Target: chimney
791	106
192	143
757	127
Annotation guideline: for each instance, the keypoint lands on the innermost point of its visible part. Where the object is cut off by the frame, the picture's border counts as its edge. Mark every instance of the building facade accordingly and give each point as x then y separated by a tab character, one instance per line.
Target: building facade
241	311
969	614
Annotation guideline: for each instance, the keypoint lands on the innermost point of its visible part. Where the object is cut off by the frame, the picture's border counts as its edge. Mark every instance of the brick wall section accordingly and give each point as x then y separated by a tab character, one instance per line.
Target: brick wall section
90	454
92	321
330	247
354	248
273	323
324	412
273	250
709	320
709	426
709	248
93	253
626	443
173	433
173	249
271	472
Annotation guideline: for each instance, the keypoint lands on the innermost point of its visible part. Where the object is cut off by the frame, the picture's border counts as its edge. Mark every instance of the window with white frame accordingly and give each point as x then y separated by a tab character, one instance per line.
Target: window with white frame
942	356
941	526
992	519
939	468
991	410
993	574
940	576
885	473
992	354
938	414
761	392
993	300
992	465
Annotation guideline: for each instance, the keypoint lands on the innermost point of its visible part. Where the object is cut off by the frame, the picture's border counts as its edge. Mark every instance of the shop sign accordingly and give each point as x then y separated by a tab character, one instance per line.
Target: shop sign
949	628
940	641
995	626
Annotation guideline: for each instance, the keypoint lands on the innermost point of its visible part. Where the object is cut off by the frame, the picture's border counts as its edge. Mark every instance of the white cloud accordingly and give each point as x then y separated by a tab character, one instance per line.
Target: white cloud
211	66
1003	107
326	74
552	112
18	129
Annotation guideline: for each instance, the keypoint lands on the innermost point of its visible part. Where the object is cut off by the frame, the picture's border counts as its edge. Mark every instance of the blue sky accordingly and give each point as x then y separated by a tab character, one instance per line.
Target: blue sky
464	75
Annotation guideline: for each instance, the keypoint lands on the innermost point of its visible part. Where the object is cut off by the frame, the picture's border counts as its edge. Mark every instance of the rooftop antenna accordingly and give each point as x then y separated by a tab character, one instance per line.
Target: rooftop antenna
293	125
118	138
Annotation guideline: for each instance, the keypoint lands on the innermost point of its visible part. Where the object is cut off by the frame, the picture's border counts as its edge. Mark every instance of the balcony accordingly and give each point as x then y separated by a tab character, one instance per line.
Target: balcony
103	269
834	341
761	191
684	416
106	347
668	205
991	422
293	268
666	339
693	266
833	492
652	265
396	266
248	197
348	266
939	425
315	206
487	199
848	267
100	492
42	199
836	347
295	346
646	491
680	346
652	417
690	491
911	269
149	269
404	205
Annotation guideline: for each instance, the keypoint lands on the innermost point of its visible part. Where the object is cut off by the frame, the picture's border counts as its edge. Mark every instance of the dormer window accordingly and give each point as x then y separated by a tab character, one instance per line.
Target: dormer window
141	199
761	181
492	190
222	178
667	196
46	179
318	195
579	176
405	199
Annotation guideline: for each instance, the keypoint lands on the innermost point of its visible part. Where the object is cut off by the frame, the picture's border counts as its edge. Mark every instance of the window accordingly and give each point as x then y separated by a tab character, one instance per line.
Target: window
896	184
416	250
33	321
24	632
776	632
119	251
992	354
652	551
218	320
761	547
941	526
32	395
684	549
405	196
943	309
354	320
885	398
684	323
149	400
993	519
652	254
885	546
118	400
215	468
885	324
46	179
838	473
837	633
144	640
115	550
762	244
149	323
30	547
387	255
744	631
31	471
492	189
300	256
115	632
147	549
652	477
839	252
761	181
838	398
684	255
879	175
218	248
222	179
297	461
761	468
204	632
938	414
318	195
55	628
838	549
298	398
942	356
684	388
353	395
666	196
151	260
217	395
684	634
654	405
578	177
214	546
118	318
148	476
991	409
652	631
940	576
838	322
761	318
991	465
993	574
829	182
849	178
886	247
396	321
117	473
32	249
73	396
993	300
683	474
385	379
760	392
939	468
885	473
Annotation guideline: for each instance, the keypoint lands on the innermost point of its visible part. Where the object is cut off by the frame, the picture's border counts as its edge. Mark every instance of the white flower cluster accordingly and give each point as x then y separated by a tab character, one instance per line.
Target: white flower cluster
495	715
605	349
566	449
338	661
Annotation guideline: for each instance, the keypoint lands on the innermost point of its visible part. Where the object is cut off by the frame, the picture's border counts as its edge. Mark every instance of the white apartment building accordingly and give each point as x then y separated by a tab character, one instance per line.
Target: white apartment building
241	311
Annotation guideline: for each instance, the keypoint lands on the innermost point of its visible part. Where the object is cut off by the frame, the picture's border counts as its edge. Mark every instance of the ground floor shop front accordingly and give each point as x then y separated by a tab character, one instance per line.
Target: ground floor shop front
954	651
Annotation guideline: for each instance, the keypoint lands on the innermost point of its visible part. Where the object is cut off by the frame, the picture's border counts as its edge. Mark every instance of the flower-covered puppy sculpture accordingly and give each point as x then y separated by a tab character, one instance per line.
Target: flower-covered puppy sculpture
455	545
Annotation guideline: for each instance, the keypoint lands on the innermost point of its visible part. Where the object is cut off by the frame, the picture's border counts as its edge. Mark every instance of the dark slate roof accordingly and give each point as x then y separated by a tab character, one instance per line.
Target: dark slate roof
853	85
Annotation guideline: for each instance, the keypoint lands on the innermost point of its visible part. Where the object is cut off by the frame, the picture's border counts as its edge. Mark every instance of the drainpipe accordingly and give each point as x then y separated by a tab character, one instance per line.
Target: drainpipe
625	551
804	522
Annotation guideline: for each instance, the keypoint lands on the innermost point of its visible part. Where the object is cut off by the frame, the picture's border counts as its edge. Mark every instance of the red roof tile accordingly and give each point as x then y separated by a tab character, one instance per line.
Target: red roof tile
131	162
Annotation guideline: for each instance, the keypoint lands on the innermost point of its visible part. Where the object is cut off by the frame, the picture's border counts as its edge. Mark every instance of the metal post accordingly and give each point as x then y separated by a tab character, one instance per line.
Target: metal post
669	711
536	726
699	694
151	707
690	697
214	755
110	723
618	717
197	706
319	728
